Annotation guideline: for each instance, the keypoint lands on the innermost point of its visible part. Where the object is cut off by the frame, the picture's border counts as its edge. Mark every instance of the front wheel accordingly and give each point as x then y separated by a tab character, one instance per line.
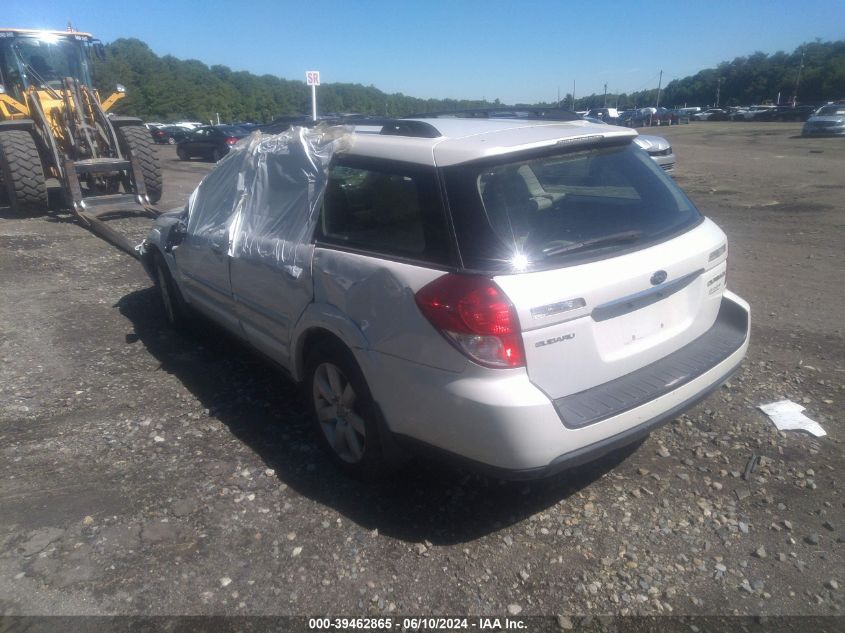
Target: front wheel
21	172
216	155
344	412
176	310
182	154
135	141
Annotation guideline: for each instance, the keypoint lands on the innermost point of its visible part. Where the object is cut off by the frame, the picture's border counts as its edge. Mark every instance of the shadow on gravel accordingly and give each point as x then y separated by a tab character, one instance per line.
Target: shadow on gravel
266	411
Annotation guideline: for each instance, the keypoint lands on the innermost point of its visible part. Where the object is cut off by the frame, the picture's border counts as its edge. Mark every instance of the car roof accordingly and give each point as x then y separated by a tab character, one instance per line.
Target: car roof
446	142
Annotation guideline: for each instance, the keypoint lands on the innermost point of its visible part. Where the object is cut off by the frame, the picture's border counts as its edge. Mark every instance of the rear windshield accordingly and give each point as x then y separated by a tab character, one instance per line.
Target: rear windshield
556	210
831	110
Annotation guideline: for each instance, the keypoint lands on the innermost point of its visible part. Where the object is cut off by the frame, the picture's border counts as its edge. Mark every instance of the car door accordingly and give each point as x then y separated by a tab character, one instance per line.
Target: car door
213	141
192	142
271	269
203	257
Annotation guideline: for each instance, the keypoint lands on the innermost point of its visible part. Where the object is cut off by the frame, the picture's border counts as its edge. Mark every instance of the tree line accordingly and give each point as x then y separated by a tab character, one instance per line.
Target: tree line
167	88
757	78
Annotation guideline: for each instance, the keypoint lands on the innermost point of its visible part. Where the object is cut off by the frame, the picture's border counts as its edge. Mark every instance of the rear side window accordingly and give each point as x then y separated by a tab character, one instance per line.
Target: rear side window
385	210
554	210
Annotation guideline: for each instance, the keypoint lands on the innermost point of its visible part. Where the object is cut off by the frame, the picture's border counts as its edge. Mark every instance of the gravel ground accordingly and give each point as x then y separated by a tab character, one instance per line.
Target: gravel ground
147	472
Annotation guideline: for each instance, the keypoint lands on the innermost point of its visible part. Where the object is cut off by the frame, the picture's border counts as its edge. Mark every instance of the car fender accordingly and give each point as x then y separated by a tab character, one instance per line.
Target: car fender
324	316
155	242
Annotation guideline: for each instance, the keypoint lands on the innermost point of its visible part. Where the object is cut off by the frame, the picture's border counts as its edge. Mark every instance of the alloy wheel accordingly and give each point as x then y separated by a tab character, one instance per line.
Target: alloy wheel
335	404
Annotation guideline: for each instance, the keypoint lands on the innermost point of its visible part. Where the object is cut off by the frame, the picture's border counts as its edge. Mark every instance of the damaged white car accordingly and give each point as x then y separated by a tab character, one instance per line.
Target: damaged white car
522	296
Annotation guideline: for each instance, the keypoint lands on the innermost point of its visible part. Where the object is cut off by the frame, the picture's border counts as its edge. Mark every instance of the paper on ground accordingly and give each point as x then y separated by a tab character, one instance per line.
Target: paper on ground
786	416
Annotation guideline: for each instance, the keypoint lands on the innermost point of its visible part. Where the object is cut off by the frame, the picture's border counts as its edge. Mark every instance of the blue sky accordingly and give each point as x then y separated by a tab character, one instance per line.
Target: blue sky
514	51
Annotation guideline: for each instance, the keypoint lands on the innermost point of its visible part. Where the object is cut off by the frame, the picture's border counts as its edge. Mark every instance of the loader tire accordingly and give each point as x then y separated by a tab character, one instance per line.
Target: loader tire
135	141
21	172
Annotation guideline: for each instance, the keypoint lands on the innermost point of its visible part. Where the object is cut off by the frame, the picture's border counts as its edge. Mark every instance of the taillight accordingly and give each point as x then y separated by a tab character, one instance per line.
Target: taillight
476	316
232	140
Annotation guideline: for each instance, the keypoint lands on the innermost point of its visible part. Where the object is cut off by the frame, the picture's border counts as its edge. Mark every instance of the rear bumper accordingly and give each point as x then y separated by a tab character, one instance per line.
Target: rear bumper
498	422
724	338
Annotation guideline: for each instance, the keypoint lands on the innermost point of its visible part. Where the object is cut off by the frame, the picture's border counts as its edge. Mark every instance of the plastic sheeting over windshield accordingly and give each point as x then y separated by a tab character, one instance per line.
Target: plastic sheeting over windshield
265	194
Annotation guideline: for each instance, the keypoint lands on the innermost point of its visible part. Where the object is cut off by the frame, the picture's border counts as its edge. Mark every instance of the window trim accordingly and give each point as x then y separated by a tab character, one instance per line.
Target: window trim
579	259
404	168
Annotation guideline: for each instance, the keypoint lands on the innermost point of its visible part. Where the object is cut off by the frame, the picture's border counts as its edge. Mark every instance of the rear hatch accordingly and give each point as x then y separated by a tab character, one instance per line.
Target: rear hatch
609	266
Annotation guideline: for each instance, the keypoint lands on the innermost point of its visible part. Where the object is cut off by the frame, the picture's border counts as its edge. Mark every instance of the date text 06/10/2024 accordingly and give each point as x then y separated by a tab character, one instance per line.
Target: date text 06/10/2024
416	624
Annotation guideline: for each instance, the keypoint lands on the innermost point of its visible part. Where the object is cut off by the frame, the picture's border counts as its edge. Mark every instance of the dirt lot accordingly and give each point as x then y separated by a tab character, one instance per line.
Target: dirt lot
144	471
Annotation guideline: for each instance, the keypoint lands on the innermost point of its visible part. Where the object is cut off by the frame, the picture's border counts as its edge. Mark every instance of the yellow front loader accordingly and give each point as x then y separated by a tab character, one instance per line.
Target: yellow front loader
55	130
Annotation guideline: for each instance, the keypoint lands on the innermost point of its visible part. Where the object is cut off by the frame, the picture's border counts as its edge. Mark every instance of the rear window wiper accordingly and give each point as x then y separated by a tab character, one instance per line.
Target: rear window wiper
615	238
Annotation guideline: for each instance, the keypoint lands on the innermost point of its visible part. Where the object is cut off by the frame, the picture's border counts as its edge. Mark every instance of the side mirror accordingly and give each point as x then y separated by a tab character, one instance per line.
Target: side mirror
177	233
100	51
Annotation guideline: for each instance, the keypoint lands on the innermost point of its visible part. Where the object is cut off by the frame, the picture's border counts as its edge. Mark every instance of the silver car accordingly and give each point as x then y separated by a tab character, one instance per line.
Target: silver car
521	296
826	121
657	147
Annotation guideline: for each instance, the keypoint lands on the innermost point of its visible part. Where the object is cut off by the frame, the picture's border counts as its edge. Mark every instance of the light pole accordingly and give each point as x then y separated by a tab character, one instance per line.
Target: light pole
659	84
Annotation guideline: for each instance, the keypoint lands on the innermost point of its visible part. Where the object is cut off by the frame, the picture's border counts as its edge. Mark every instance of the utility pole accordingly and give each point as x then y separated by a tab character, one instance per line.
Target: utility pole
605	96
573	95
659	84
798	80
557	103
718	89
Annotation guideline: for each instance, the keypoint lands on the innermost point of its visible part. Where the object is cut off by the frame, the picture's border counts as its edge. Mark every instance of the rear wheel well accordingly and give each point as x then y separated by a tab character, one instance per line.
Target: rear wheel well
308	341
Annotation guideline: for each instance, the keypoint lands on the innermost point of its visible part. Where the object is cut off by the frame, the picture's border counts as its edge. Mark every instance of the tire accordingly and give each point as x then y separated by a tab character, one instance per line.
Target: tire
176	311
171	141
135	141
216	155
343	412
21	172
182	154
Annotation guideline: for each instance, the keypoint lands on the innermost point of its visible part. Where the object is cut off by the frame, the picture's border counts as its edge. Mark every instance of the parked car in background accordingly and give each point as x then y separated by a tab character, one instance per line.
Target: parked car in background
786	113
751	113
211	142
680	116
657	147
607	115
522	296
712	114
827	120
636	118
664	116
689	111
191	125
169	134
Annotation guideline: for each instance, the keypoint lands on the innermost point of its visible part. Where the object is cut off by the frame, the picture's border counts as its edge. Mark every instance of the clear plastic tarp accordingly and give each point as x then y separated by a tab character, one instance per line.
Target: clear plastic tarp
264	195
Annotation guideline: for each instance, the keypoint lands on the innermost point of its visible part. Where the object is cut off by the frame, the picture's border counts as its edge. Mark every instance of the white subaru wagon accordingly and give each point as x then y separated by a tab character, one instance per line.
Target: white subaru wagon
522	296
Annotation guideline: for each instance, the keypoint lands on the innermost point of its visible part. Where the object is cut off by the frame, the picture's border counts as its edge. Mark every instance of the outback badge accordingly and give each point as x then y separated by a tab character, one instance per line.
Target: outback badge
557	339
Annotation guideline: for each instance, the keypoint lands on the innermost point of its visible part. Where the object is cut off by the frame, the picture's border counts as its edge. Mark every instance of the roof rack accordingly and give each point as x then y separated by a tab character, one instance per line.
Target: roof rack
418	129
389	126
503	112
